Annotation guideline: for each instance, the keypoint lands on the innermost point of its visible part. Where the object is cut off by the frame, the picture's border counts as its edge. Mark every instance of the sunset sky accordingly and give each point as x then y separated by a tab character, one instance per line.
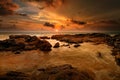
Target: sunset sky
62	15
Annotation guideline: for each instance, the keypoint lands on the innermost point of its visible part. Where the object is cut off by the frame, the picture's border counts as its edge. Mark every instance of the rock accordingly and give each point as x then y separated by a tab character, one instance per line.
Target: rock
17	43
44	37
44	45
57	45
99	55
31	39
13	75
11	45
76	45
65	72
115	51
19	36
80	38
17	52
117	59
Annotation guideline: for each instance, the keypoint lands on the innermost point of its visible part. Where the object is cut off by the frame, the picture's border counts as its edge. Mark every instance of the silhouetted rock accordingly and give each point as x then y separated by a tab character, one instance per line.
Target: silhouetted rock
80	38
57	45
44	37
117	59
76	45
115	51
17	52
17	43
19	36
13	75
44	45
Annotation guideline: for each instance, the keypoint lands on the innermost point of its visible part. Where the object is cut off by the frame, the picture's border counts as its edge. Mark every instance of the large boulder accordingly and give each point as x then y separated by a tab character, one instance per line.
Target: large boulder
44	45
11	45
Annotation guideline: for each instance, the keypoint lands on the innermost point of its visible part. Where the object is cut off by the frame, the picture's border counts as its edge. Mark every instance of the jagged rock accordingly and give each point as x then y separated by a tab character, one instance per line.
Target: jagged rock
44	45
24	42
57	45
80	38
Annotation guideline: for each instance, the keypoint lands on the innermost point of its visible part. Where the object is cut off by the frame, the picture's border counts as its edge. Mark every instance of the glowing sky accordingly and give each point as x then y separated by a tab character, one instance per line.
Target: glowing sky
65	15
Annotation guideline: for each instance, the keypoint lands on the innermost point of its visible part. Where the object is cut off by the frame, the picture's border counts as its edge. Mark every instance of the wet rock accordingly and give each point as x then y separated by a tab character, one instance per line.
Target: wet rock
44	37
44	45
31	39
65	72
17	52
76	45
19	36
11	45
57	45
117	59
24	42
115	51
13	75
80	38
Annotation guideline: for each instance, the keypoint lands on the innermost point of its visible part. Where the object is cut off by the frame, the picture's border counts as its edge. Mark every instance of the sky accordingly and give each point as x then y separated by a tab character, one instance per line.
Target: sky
60	15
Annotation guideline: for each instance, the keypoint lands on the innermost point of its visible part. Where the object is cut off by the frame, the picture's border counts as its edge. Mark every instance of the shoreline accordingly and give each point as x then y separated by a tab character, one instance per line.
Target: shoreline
97	55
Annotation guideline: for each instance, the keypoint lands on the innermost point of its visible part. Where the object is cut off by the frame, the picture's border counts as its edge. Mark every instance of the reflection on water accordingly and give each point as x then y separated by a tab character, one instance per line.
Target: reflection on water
83	57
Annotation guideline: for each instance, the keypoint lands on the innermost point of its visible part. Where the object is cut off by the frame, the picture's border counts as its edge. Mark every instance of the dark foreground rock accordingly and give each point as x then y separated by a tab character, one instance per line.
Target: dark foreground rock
19	43
13	75
64	72
57	45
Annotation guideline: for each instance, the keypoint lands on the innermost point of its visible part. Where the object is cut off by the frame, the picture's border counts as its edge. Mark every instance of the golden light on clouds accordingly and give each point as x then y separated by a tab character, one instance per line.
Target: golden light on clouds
47	16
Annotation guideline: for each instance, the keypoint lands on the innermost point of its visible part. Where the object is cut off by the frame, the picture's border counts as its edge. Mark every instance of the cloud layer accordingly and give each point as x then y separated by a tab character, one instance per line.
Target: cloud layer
7	7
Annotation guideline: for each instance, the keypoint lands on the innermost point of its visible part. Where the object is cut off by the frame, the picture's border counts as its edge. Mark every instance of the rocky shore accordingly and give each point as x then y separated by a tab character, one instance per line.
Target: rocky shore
17	43
96	38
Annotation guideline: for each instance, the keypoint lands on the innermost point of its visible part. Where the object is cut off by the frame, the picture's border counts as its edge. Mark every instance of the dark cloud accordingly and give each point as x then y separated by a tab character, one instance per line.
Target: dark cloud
47	24
78	22
48	3
104	25
7	7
